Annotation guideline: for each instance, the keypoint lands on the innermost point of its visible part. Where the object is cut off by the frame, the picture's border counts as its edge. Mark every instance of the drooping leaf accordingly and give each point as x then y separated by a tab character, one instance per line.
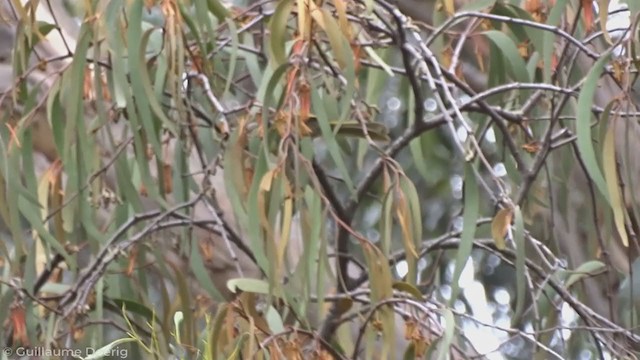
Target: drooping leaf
602	16
510	52
555	15
332	145
469	218
278	31
583	124
446	340
521	279
609	163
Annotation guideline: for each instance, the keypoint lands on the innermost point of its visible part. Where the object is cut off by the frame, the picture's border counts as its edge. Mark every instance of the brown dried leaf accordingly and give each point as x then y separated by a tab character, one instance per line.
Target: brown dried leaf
17	319
167	178
532	147
131	266
587	12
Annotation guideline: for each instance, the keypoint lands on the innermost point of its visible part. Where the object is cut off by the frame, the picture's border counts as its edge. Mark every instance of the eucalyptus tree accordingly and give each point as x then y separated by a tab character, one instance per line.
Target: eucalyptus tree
302	178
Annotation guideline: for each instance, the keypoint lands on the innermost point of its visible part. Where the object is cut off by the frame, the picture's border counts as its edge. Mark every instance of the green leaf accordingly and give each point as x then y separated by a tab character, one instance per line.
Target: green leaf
549	38
256	235
32	214
521	280
415	146
44	28
469	218
444	345
517	66
634	6
233	56
586	269
201	273
217	9
145	84
216	330
271	90
248	285
603	16
136	308
583	124
408	288
276	325
478	5
522	32
278	26
339	44
72	91
332	145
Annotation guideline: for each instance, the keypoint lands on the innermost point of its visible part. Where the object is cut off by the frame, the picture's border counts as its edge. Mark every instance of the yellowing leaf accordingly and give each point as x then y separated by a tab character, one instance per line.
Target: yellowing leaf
611	177
304	20
267	180
285	229
449	7
337	40
341	9
404	218
603	15
500	226
265	187
381	288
